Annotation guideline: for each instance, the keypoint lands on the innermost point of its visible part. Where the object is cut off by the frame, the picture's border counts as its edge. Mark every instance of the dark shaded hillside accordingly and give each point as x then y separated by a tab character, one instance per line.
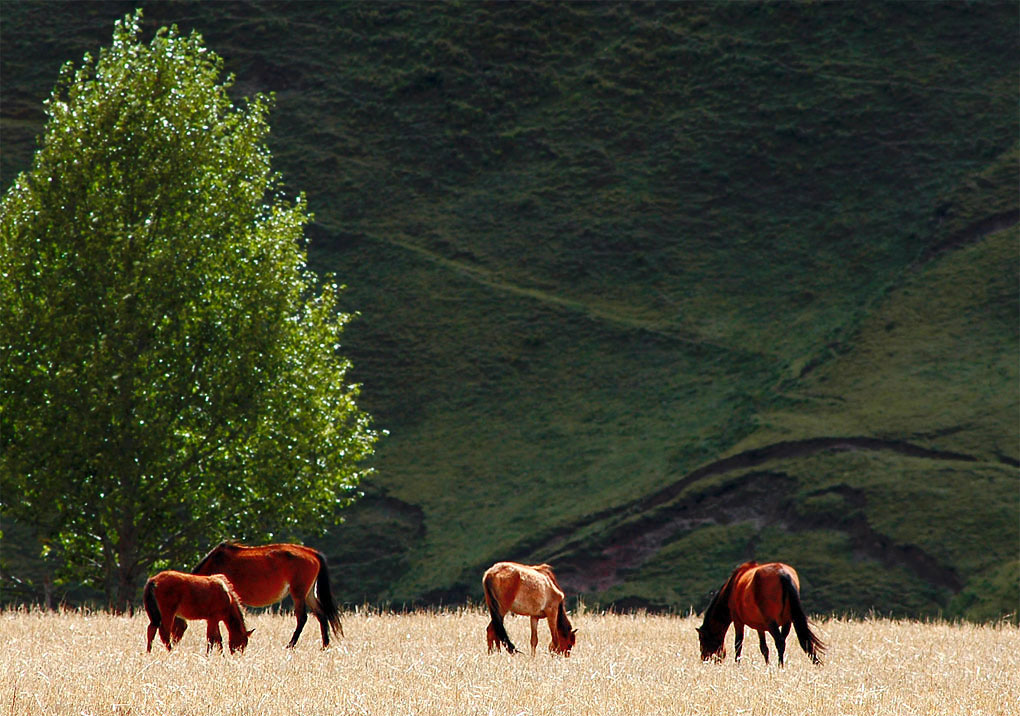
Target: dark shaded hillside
606	254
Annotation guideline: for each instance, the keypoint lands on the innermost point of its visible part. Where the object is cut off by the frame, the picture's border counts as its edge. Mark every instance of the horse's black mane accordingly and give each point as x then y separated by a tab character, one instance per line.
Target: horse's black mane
563	624
718	610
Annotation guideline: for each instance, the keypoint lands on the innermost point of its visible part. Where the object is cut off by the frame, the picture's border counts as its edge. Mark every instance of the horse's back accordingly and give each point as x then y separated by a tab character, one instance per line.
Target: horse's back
264	574
758	598
503	579
192	596
530	590
227	553
170	581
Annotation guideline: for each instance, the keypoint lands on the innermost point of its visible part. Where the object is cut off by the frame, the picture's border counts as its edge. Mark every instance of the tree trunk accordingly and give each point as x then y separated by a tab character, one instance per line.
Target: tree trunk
125	594
47	585
121	585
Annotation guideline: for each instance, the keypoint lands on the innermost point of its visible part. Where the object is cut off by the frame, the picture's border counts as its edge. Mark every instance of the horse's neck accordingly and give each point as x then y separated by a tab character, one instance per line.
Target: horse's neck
720	615
235	620
719	610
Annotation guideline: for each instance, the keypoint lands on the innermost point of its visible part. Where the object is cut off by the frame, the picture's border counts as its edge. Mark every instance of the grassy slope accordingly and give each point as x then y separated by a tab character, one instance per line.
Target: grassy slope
917	369
596	246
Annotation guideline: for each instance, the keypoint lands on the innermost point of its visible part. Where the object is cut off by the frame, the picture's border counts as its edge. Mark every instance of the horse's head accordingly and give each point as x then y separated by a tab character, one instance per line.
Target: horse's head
238	641
712	647
568	642
563	644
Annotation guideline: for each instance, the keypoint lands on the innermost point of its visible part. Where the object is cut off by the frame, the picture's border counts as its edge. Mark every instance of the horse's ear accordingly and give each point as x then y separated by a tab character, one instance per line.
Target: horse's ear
250	632
573	631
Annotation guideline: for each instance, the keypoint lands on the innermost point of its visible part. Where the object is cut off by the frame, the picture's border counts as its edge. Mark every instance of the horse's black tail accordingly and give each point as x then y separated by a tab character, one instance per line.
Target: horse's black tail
151	607
324	595
809	641
497	618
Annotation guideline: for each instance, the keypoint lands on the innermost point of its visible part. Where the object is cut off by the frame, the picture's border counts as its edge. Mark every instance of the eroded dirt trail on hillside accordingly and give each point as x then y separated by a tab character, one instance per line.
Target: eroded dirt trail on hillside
634	532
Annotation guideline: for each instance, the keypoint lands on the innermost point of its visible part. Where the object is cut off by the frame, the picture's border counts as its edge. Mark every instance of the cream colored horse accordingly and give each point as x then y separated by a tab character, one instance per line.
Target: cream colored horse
530	591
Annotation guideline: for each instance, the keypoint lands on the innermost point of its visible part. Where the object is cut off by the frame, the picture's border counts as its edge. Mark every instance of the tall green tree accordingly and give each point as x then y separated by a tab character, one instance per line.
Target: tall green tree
171	372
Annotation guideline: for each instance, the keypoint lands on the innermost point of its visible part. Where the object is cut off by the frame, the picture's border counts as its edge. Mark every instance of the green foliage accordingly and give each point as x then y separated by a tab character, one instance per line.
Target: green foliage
171	368
991	595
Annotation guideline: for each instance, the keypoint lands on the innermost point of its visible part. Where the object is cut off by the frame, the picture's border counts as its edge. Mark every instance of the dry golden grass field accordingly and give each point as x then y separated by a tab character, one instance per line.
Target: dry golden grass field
77	664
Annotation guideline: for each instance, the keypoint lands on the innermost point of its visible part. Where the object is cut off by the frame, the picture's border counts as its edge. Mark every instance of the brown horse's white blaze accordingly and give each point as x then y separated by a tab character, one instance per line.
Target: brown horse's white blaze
530	591
264	575
171	596
765	597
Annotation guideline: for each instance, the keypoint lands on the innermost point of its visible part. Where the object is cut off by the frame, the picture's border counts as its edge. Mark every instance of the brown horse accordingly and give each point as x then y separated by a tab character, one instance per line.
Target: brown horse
530	591
170	596
764	597
264	575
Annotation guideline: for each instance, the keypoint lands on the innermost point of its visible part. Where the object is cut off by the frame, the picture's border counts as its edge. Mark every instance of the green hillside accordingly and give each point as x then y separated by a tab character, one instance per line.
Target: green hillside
647	289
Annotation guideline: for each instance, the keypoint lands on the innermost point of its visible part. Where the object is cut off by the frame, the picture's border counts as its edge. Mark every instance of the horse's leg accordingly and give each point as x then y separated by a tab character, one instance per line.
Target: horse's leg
212	635
779	636
150	633
738	639
763	646
554	645
164	636
534	634
177	630
164	628
315	606
323	627
301	612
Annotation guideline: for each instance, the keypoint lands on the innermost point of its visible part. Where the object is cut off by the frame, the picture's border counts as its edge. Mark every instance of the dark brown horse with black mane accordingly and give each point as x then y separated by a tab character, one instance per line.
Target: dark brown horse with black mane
530	591
263	575
765	597
174	596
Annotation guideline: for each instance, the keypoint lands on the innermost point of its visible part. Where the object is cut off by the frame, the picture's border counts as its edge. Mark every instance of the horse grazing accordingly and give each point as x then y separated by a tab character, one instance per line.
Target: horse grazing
765	597
530	591
174	596
263	575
